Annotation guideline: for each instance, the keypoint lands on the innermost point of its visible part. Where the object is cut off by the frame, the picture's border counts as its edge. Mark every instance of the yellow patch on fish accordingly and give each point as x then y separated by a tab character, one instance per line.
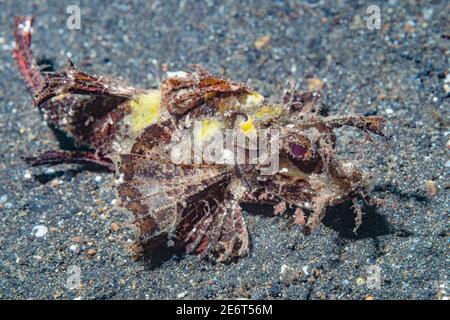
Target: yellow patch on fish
245	102
268	112
247	127
145	110
252	100
209	128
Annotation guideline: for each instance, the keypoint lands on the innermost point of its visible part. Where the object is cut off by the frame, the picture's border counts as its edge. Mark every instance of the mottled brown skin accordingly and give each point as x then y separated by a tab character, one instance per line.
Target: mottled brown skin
84	108
203	214
196	209
180	99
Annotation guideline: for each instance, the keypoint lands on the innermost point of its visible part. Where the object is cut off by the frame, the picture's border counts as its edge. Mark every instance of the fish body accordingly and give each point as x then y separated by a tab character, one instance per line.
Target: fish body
190	152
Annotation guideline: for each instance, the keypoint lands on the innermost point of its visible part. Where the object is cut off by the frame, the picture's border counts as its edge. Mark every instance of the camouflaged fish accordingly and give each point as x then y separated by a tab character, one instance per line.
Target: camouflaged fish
195	207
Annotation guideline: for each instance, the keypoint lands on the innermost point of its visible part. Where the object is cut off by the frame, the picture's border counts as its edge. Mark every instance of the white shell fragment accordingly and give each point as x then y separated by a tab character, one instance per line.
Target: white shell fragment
39	231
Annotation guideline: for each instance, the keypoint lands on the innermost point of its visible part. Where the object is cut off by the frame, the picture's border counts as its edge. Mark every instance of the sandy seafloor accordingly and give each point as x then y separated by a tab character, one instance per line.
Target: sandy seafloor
399	71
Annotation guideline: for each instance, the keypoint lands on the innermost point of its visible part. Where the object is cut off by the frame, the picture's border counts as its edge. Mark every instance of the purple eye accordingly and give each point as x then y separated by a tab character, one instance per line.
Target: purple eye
298	150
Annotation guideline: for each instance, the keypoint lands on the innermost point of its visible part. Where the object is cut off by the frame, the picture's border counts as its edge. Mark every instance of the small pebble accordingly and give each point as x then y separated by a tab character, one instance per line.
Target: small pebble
39	231
262	42
288	274
446	88
114	227
360	281
181	295
49	171
55	183
91	252
74	248
98	178
27	175
3	198
447	163
431	188
76	239
305	270
410	26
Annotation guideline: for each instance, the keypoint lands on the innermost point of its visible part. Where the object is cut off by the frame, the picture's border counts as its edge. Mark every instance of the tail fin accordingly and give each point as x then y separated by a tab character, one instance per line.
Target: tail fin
23	55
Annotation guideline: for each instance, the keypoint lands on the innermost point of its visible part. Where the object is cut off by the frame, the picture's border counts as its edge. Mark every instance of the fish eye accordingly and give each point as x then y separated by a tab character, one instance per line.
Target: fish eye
303	156
298	150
